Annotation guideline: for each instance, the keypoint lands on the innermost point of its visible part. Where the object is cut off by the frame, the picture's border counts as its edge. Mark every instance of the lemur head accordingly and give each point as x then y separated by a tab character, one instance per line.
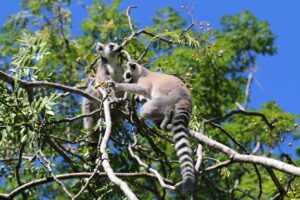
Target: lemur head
132	72
110	50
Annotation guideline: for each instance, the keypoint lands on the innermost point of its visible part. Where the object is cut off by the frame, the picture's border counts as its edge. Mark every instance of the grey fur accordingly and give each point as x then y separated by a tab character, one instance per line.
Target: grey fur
168	100
107	68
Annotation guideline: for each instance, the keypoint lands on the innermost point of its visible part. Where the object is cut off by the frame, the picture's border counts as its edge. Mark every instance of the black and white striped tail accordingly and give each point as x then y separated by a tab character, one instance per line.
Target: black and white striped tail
182	146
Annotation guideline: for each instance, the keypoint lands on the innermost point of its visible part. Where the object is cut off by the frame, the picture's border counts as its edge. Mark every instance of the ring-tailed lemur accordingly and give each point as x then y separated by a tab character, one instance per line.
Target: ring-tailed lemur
107	68
168	100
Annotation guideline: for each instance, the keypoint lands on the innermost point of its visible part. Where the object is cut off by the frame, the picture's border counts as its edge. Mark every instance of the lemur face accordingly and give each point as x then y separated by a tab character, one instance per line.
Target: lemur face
108	50
132	72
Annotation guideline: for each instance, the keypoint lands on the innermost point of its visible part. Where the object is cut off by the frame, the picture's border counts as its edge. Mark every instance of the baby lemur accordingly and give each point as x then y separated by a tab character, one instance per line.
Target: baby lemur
107	68
168	100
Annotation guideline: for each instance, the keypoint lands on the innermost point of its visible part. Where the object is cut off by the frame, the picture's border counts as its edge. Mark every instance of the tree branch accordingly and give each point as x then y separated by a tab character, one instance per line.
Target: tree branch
270	124
27	85
264	161
153	171
38	182
18	169
104	157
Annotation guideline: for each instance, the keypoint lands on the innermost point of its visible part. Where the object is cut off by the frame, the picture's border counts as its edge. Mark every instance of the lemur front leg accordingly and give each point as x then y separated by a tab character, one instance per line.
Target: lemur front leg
128	87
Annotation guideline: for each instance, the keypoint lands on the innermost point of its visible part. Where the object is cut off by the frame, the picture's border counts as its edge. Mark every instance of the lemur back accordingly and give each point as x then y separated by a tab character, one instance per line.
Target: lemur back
107	68
168	100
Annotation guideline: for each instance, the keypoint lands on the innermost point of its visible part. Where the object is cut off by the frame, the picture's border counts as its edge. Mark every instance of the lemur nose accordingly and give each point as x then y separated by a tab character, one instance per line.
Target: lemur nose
128	75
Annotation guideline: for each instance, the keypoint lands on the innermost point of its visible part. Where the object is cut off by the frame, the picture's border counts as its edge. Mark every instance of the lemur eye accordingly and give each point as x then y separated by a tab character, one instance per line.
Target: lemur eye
100	48
111	47
132	66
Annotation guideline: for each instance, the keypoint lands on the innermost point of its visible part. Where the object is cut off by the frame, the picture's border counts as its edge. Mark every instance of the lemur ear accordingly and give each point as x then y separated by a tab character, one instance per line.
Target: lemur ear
99	47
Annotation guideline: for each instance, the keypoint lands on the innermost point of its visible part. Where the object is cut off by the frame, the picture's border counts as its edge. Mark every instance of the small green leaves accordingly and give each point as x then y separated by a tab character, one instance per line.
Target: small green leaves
33	48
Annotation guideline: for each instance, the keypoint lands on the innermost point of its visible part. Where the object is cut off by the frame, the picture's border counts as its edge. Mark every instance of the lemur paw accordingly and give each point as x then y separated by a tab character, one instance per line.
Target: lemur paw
110	83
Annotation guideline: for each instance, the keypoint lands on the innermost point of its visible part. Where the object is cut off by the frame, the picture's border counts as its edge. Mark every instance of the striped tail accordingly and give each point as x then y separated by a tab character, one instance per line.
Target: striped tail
180	124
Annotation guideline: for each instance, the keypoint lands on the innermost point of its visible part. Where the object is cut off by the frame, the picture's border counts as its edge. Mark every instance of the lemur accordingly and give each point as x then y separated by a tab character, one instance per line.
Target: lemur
107	68
168	100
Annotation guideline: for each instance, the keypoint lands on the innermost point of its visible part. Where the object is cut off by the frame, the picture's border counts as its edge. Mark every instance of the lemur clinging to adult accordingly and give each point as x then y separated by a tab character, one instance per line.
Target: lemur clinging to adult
107	68
168	100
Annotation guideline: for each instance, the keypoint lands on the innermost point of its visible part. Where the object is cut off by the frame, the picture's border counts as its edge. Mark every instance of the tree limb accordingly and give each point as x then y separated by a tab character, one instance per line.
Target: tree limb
27	85
38	182
104	157
264	161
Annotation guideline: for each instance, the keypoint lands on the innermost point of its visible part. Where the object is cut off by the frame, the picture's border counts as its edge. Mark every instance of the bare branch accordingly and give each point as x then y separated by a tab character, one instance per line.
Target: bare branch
247	90
188	28
104	157
89	179
270	124
47	165
38	182
57	149
155	172
199	158
127	55
27	85
16	158
75	118
281	190
18	168
148	46
217	166
136	33
261	160
129	18
242	191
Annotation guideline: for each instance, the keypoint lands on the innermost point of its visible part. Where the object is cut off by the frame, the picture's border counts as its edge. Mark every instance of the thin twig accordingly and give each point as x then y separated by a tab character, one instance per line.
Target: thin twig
18	169
242	191
129	18
217	166
75	118
270	124
127	55
47	165
247	89
89	179
155	172
188	28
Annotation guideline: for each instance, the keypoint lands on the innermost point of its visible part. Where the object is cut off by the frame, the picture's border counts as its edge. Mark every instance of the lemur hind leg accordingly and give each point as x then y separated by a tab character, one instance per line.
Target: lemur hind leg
159	110
89	106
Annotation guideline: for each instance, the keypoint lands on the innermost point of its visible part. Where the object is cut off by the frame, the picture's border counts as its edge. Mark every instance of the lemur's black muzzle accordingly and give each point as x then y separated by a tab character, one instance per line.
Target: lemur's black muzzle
128	77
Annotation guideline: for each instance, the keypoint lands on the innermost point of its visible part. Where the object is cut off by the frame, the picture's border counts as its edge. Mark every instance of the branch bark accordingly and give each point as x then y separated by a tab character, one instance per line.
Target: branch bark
28	85
104	157
264	161
38	182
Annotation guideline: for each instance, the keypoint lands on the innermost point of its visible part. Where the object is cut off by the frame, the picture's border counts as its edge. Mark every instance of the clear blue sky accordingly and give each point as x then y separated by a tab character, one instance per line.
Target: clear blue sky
277	77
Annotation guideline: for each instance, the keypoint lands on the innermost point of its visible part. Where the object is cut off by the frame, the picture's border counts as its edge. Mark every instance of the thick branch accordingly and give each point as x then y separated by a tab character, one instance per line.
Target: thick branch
104	157
268	162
